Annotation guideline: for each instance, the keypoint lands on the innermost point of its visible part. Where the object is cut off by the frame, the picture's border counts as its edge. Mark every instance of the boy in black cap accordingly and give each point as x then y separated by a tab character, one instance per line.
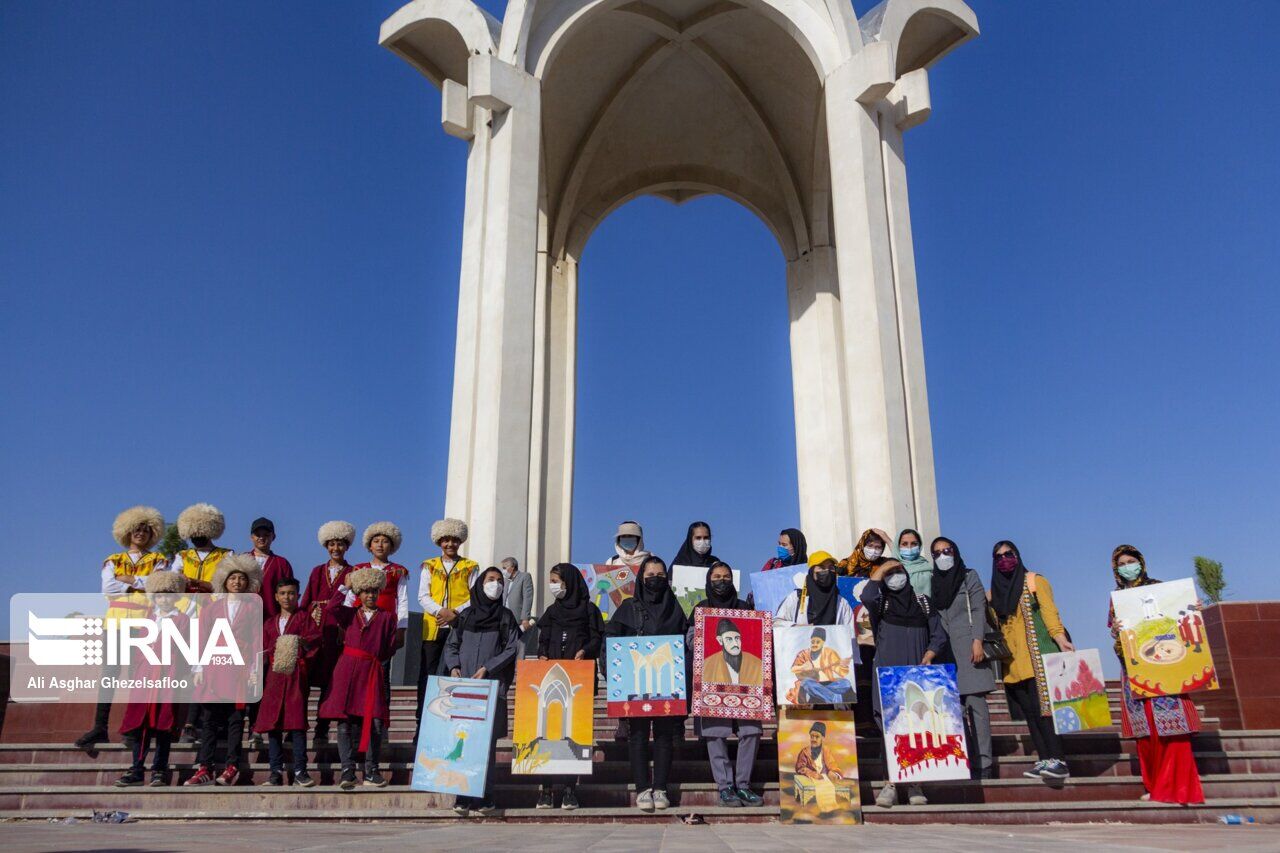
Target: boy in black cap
274	567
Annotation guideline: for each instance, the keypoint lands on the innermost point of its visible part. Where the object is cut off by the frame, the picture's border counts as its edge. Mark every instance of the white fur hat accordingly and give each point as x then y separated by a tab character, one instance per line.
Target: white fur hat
331	530
166	582
285	658
246	564
383	528
134	517
201	520
366	579
449	527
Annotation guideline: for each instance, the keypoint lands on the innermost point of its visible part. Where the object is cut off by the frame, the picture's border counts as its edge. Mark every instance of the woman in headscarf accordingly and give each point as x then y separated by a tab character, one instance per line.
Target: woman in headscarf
628	546
696	550
653	611
867	554
571	628
483	644
1029	620
733	778
793	550
818	602
907	632
919	567
960	601
1164	742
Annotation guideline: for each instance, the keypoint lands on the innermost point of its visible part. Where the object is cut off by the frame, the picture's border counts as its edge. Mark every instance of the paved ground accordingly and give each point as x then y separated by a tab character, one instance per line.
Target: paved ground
615	838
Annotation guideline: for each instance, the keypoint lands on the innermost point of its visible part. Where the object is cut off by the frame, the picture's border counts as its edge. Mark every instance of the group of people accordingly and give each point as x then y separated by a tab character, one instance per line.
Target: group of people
338	634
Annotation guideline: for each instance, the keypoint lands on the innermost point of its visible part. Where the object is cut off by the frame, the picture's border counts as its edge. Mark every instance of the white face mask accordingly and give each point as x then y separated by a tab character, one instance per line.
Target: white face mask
493	589
702	546
557	590
873	552
896	581
944	563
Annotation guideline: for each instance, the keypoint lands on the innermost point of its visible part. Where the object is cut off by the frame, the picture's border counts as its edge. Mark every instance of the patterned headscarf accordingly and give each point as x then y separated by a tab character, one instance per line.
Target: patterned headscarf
1142	580
857	564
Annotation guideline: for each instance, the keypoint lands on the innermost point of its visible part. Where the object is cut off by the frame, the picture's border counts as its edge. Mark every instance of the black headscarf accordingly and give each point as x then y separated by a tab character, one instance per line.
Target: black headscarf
1006	589
728	601
946	585
800	546
686	556
903	606
570	613
660	613
485	613
821	605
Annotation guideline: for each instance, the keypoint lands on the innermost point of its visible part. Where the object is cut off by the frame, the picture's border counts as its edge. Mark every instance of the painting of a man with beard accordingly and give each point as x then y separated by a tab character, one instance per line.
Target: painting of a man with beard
731	665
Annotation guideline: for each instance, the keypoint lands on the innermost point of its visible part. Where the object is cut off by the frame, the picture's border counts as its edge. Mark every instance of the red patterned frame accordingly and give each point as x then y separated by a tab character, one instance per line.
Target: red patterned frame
733	701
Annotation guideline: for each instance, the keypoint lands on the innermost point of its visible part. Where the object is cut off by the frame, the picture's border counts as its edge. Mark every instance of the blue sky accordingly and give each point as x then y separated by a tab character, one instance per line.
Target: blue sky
230	255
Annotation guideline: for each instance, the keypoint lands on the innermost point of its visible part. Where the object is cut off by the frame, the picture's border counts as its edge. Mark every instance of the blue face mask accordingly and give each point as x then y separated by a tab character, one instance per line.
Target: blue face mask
910	553
783	553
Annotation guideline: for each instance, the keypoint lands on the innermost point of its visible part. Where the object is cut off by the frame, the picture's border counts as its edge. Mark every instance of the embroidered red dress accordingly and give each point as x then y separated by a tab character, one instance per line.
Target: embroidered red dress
284	697
319	590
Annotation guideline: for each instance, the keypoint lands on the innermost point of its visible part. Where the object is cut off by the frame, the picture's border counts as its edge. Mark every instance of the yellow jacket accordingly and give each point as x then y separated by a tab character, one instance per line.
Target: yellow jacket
448	589
1016	634
201	570
133	604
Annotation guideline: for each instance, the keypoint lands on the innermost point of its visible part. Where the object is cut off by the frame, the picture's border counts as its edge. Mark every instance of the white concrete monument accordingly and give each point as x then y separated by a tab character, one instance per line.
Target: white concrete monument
795	109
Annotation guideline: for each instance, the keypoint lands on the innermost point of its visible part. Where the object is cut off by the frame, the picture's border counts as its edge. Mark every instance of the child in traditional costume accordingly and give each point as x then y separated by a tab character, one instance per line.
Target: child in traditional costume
336	537
237	577
358	695
381	540
151	713
274	569
291	640
444	590
124	576
201	524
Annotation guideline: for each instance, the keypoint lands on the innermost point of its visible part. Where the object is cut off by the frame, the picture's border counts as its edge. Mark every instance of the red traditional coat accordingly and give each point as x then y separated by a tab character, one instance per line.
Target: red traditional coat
284	697
224	684
319	590
154	709
396	575
275	569
357	689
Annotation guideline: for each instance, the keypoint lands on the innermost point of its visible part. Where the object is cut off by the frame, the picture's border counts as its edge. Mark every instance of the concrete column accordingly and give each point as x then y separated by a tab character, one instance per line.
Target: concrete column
817	370
881	476
501	388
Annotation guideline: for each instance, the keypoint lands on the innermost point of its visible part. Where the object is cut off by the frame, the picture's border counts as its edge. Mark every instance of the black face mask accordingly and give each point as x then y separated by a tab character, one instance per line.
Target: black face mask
824	580
655	584
722	588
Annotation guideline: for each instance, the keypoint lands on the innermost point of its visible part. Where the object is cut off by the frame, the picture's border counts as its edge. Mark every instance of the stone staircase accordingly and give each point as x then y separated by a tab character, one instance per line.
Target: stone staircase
51	778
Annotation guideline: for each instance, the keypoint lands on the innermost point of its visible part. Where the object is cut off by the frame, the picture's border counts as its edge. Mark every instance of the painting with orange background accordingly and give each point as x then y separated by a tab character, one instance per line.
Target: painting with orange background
554	717
1162	635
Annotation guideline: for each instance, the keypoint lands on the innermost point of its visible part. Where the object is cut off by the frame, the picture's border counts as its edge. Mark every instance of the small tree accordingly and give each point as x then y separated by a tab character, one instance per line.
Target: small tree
172	542
1209	576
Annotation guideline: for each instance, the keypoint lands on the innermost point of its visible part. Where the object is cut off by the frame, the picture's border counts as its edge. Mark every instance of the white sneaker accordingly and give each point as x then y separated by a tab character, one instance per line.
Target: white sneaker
888	797
644	800
916	797
660	800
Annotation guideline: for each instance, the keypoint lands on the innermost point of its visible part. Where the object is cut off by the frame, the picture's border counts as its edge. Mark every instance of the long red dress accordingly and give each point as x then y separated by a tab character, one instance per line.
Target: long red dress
284	697
1161	729
319	590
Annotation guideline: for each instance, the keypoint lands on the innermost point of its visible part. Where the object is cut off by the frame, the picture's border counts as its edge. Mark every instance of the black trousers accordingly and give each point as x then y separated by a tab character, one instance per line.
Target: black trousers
1046	741
664	731
160	762
221	716
429	663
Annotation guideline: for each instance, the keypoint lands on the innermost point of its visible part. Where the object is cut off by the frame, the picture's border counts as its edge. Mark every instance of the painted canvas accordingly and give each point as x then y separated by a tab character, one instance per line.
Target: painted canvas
1077	691
646	677
818	767
609	585
768	589
554	726
1163	638
689	583
733	664
923	723
455	737
814	664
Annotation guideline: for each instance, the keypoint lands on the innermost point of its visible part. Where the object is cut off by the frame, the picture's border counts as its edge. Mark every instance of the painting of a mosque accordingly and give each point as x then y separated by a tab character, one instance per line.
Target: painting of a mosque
554	726
646	676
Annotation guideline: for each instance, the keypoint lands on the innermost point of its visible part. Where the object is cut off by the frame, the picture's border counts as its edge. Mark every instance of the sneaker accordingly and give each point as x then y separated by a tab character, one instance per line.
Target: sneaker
1034	772
188	735
729	797
91	738
375	780
660	800
644	800
348	782
750	797
916	797
888	797
485	807
229	776
1055	768
159	779
461	806
275	780
304	779
545	798
255	742
569	799
131	779
203	776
